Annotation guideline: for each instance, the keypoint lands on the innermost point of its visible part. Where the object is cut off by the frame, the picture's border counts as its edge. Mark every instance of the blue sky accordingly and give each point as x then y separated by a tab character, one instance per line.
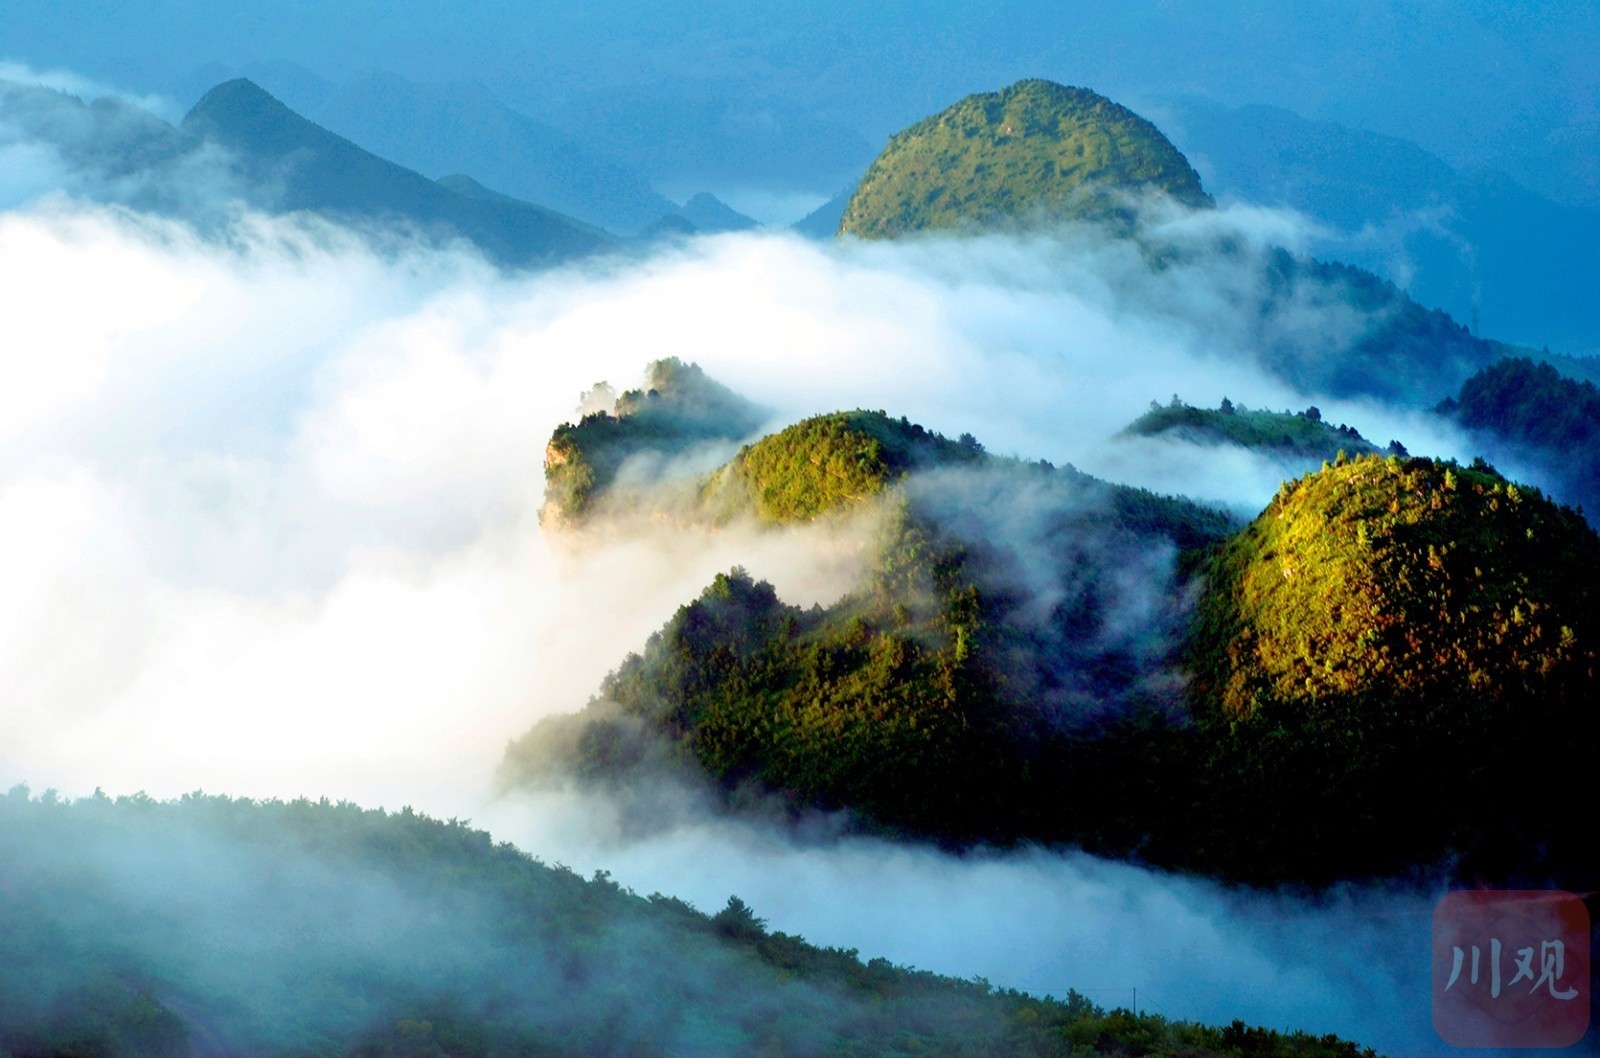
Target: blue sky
1506	85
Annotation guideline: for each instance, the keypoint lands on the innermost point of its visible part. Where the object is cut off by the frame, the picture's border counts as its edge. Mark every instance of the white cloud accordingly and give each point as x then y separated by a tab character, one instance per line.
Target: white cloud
85	88
268	526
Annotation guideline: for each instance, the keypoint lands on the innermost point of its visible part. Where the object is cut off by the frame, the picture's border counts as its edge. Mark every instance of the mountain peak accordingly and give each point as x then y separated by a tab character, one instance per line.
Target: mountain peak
241	114
310	168
238	96
1034	150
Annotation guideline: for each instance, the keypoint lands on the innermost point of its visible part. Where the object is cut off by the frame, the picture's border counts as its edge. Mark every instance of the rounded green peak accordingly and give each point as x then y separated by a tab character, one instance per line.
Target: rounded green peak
1396	664
1036	150
830	462
1375	585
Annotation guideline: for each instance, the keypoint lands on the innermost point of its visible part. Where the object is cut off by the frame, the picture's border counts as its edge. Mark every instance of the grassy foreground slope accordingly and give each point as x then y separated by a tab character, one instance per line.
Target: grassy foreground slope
212	926
1034	151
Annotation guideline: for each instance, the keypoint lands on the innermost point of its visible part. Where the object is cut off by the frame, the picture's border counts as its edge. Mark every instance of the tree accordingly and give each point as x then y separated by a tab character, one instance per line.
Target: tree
738	922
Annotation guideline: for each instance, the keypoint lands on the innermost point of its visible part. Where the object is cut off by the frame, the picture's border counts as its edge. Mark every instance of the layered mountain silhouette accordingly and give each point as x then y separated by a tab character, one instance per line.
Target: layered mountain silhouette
711	215
1455	240
443	129
303	166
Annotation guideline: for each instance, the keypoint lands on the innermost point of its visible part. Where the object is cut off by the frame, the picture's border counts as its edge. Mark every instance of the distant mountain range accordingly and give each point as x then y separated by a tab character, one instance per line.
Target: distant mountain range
242	144
1478	245
445	129
312	169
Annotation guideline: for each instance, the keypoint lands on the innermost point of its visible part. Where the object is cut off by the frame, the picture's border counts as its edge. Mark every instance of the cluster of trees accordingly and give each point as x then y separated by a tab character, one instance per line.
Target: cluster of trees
681	408
961	693
1385	622
147	929
1298	434
1534	413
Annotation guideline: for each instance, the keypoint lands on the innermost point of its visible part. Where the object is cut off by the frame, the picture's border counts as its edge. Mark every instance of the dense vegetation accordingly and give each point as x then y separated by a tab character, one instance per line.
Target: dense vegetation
1014	665
960	691
1033	150
1536	414
829	462
1037	153
213	926
1300	435
680	410
1330	328
1398	658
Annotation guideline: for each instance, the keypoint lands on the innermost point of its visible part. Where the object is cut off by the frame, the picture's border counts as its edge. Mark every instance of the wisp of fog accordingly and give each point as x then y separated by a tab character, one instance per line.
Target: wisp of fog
269	505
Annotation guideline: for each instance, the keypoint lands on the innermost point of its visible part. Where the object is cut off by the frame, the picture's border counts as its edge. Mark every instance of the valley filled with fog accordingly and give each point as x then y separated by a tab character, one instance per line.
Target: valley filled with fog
270	491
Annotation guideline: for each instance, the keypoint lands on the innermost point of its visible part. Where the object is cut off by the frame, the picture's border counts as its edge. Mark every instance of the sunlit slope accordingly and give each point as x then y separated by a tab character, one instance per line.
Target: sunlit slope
828	463
1398	659
1036	655
679	409
976	641
210	926
1034	151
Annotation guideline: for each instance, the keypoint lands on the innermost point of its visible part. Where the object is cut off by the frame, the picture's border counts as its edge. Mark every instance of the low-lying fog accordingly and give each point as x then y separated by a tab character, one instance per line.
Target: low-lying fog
268	527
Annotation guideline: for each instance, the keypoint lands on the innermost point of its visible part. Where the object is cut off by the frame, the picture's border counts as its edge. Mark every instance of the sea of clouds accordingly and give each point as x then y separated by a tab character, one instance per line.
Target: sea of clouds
269	527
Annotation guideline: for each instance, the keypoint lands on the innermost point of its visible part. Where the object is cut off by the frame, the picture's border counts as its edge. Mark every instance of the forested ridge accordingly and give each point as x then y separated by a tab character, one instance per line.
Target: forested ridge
213	925
1533	413
1301	434
1279	693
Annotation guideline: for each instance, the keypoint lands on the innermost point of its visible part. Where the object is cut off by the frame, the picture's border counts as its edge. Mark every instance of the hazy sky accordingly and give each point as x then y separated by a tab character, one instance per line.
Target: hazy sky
1513	85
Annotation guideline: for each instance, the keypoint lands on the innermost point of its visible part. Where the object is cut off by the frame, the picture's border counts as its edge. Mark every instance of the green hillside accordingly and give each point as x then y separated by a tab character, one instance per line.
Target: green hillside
973	643
680	408
1302	435
1330	328
209	926
829	462
1382	655
1035	655
1537	415
1036	150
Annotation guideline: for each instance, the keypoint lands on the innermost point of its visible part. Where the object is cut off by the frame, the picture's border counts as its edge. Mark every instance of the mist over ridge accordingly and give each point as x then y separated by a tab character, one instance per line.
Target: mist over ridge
272	505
